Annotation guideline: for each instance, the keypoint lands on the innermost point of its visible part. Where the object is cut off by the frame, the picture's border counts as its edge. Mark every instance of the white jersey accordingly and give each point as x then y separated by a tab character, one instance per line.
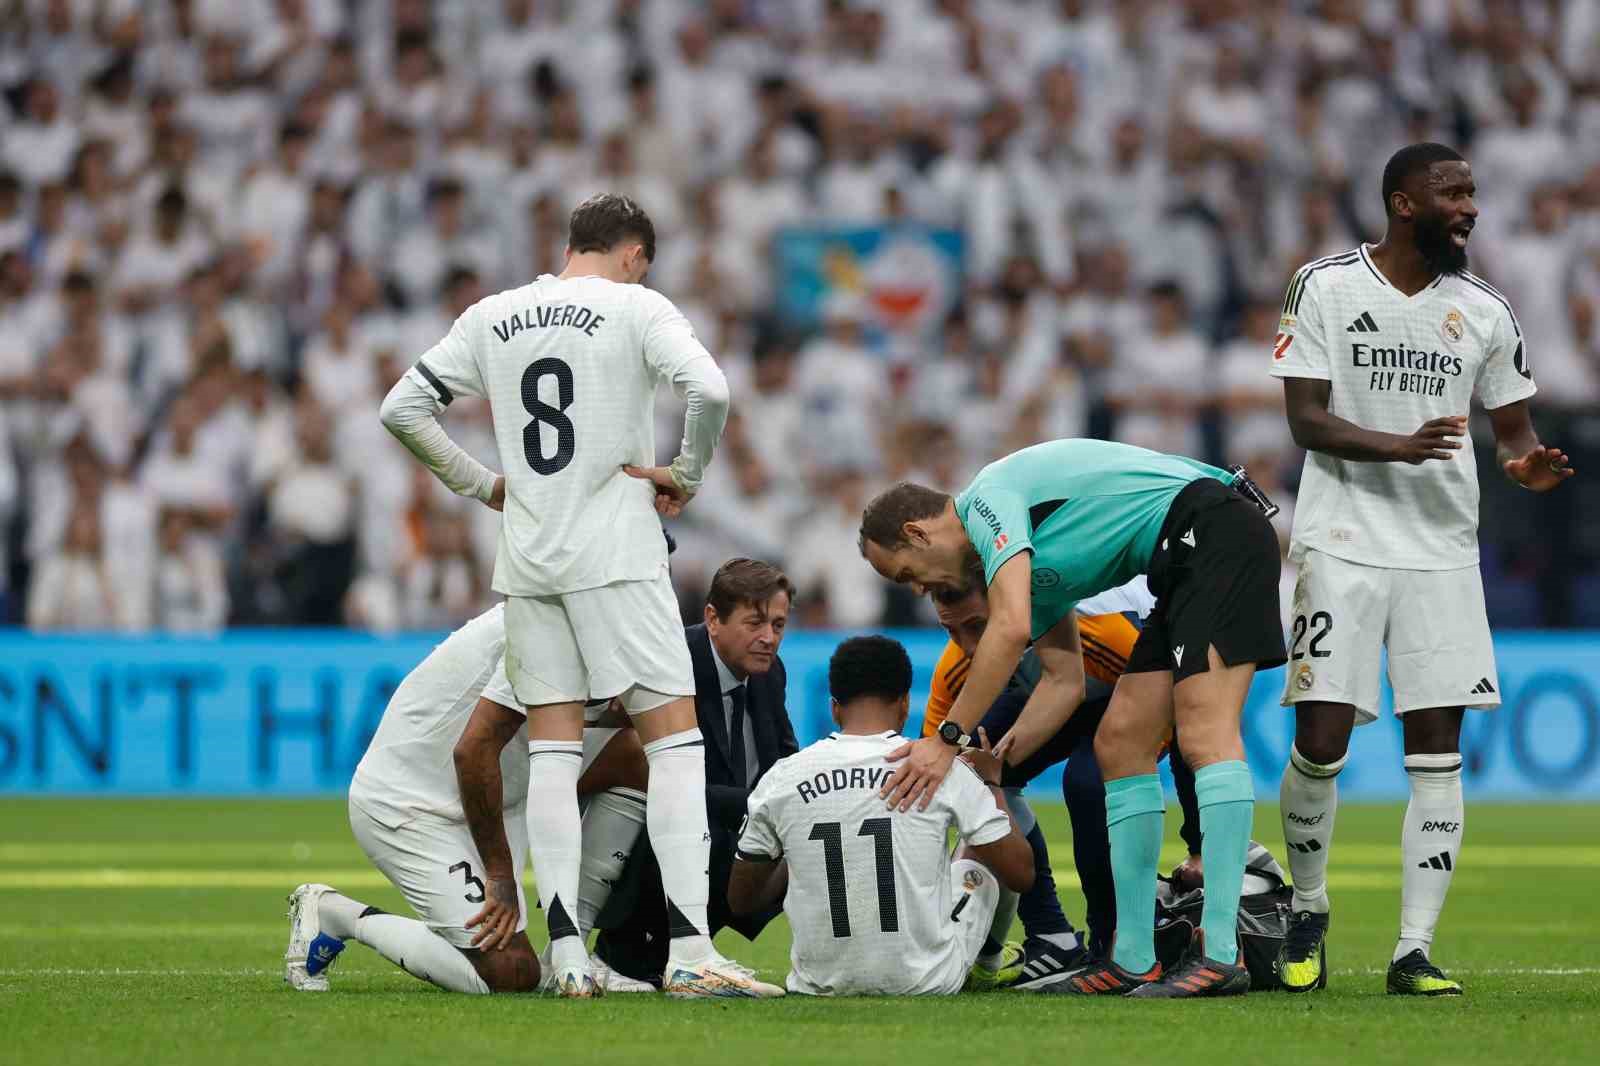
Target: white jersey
1133	598
570	369
409	768
1396	362
869	896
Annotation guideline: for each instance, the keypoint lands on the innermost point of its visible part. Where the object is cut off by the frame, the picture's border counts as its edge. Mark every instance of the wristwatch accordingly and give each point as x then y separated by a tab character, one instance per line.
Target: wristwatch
952	735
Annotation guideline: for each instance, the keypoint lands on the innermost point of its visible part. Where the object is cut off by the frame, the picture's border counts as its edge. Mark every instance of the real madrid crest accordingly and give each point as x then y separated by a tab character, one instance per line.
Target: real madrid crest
1454	327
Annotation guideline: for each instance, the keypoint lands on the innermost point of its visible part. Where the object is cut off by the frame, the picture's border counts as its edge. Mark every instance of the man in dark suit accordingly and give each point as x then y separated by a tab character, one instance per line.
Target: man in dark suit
739	699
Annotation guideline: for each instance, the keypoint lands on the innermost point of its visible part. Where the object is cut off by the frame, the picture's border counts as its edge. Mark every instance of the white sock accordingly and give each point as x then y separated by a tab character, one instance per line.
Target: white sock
676	817
420	952
612	823
338	914
1429	844
1309	799
555	835
1005	912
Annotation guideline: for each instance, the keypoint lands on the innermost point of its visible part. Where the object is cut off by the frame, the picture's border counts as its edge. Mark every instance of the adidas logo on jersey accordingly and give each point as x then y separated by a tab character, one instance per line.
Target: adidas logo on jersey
1440	861
1364	324
1482	688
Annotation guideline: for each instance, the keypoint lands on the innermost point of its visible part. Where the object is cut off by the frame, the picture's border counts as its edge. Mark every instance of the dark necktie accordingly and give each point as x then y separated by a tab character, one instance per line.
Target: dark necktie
736	759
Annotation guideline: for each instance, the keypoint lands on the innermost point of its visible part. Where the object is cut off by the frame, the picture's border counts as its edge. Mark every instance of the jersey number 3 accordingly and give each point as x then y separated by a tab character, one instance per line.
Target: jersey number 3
545	415
881	830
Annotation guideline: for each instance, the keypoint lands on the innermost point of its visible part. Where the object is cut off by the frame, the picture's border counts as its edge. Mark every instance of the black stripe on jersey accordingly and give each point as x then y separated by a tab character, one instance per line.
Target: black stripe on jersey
1305	275
445	395
957	676
1105	652
1100	660
1291	298
1473	279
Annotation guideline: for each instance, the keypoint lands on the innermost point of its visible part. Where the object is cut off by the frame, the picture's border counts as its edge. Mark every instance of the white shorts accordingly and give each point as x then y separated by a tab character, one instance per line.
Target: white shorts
598	643
972	882
435	863
1433	623
436	866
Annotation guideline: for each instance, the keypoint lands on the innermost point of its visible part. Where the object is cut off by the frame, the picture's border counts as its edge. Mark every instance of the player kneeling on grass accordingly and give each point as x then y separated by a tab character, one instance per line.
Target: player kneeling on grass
438	803
875	904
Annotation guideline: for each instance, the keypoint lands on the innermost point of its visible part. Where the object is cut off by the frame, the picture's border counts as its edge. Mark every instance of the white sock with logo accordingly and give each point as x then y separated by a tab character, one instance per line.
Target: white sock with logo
1429	844
612	822
1309	800
675	815
555	834
420	952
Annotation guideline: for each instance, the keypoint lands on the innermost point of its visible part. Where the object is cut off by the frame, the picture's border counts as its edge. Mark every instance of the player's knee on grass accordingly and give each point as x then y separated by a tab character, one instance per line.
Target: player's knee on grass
1434	731
512	969
1322	731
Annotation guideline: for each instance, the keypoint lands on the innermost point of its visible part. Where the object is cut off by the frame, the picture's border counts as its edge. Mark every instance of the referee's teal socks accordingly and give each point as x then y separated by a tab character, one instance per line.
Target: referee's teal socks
1134	809
1227	807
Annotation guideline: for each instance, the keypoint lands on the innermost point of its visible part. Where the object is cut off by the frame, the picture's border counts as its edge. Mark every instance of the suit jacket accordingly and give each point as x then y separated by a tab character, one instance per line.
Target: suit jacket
766	717
634	918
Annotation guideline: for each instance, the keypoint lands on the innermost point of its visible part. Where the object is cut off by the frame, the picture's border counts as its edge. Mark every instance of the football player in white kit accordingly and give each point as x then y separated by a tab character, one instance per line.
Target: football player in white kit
875	904
1381	350
438	803
570	366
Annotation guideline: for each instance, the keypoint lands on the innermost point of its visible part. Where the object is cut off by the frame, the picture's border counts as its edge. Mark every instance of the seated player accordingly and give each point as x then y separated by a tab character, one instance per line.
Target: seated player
874	902
438	803
1109	624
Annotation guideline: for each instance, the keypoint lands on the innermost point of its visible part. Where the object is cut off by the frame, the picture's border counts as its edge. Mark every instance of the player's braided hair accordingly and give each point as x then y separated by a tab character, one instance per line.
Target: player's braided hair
883	522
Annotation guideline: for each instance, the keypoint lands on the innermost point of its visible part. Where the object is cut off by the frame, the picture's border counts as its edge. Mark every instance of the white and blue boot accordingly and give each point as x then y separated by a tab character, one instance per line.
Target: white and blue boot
311	951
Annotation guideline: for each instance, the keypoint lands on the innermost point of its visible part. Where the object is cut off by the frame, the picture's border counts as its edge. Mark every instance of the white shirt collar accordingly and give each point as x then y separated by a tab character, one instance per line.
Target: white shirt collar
724	676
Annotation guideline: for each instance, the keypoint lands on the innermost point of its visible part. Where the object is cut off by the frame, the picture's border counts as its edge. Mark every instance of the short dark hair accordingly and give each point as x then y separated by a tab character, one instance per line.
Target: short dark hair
869	666
1414	159
746	582
605	220
883	522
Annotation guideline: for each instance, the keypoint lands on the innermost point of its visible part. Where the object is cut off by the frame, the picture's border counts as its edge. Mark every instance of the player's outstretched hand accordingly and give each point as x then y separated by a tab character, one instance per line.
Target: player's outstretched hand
497	921
1541	469
1435	440
927	761
984	759
497	498
670	497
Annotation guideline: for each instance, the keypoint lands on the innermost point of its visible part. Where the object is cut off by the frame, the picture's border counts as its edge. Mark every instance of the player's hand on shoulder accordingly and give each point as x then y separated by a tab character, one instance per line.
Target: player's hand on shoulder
671	498
496	923
927	763
1541	470
1437	439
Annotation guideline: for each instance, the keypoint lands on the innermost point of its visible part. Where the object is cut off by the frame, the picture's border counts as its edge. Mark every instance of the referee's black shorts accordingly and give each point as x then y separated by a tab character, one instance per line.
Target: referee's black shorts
1215	576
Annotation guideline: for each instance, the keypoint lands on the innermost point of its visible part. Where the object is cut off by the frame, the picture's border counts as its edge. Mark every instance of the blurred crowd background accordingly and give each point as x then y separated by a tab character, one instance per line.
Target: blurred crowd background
227	227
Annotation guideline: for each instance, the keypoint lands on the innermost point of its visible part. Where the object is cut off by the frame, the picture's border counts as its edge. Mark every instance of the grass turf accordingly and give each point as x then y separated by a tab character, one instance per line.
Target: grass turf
151	931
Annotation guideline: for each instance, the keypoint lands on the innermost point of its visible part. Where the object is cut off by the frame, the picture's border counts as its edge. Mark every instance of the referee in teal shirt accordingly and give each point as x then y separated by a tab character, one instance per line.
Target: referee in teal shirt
1059	522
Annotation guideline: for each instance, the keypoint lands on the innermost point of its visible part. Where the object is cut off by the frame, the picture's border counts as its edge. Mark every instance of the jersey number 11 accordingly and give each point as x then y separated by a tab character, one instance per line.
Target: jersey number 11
881	830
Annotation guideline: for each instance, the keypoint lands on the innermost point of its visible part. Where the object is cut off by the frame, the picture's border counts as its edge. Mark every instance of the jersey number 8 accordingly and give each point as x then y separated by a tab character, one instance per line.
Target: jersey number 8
545	415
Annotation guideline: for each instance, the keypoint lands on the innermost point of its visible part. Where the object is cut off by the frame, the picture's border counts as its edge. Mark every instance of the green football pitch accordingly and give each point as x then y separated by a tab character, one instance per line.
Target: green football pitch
151	931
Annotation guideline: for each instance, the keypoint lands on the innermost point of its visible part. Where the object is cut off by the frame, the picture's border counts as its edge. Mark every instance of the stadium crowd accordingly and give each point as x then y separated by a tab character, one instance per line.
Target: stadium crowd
226	229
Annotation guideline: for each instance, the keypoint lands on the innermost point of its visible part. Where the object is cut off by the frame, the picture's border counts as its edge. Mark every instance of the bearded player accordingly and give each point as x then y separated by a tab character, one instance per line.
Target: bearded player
1381	350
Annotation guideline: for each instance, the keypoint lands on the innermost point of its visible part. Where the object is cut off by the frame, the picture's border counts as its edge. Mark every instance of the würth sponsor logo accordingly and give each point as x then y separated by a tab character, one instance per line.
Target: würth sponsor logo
987	514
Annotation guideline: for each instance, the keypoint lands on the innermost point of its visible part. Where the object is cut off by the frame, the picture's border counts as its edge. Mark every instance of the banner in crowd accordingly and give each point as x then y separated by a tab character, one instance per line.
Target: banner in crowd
896	280
289	712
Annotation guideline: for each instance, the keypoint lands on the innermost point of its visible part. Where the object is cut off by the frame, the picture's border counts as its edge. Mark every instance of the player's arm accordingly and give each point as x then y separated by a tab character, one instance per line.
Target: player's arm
1504	384
1056	697
760	877
477	760
411	412
673	351
1007	856
1317	429
1004	639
